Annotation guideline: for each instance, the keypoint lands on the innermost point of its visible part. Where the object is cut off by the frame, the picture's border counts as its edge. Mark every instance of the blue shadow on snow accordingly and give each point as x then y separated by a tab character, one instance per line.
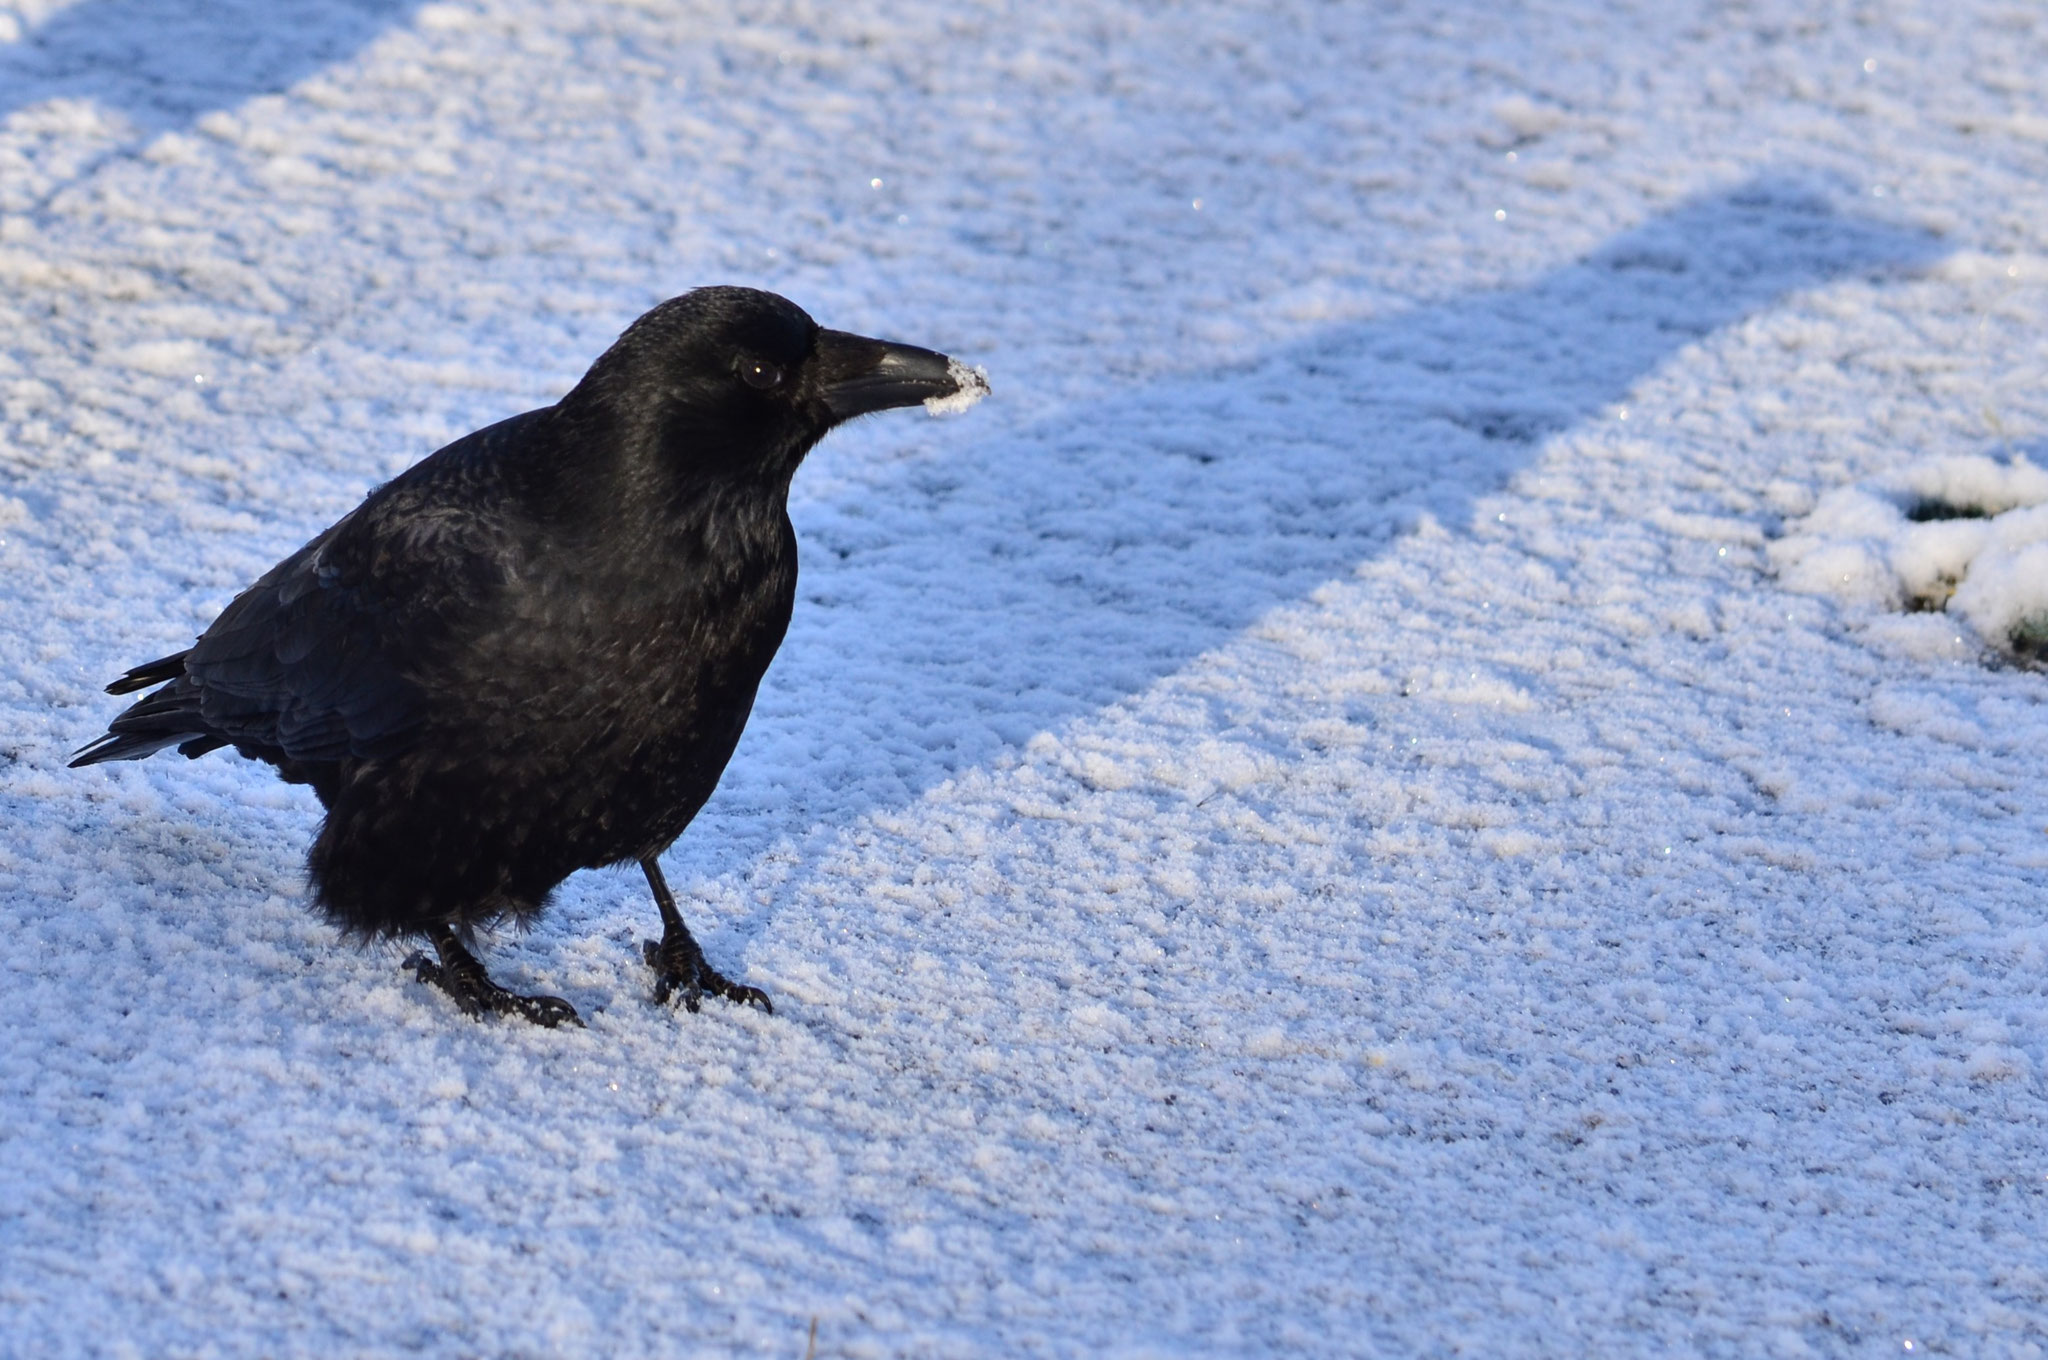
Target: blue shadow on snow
1068	566
165	63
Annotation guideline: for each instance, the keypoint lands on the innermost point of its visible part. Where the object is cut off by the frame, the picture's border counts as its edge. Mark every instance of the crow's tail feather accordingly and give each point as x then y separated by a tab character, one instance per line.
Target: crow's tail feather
151	673
166	718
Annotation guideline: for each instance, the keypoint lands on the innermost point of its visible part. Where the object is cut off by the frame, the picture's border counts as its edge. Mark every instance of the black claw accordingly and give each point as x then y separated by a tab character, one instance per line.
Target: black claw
547	1011
476	996
680	969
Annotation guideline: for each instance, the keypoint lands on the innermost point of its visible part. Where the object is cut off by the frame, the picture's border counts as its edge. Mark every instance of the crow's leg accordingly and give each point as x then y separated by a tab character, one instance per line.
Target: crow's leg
680	968
464	979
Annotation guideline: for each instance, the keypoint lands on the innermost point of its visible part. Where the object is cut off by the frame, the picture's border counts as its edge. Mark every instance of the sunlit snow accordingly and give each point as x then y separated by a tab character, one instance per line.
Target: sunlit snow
1345	814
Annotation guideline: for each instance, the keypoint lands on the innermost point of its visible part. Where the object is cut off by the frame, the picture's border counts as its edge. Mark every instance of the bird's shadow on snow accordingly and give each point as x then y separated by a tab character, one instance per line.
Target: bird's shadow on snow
1058	569
165	63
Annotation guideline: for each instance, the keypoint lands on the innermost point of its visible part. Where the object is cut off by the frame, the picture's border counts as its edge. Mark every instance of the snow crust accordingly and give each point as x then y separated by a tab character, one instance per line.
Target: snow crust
1326	822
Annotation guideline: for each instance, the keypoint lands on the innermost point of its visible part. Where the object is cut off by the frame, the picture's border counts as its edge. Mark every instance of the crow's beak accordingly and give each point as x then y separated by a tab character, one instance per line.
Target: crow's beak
858	375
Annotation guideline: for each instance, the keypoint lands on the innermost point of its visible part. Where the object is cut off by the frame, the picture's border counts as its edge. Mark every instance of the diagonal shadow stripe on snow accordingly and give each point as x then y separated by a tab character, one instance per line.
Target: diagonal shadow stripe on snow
1071	565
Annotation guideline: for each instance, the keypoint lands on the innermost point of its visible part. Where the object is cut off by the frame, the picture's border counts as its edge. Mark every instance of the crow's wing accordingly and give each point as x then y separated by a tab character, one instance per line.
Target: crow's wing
334	653
314	659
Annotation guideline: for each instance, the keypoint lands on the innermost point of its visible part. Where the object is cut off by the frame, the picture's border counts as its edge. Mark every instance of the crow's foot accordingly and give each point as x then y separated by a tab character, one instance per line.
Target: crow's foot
470	987
679	965
680	969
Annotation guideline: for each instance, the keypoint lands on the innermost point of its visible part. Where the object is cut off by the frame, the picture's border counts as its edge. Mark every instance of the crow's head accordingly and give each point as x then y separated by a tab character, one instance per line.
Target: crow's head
741	381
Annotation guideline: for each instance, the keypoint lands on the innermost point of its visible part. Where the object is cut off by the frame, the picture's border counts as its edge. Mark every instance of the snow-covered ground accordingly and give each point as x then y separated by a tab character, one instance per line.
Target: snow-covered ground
1338	814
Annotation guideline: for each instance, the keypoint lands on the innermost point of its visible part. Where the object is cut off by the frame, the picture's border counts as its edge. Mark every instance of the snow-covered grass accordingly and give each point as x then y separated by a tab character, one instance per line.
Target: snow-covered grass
1964	533
1324	817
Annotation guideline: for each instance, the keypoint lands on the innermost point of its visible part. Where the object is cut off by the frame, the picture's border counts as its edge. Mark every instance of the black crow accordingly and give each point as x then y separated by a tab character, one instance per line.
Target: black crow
533	652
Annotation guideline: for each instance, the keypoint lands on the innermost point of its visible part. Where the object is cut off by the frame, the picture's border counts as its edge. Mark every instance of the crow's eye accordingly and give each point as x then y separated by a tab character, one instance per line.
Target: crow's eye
760	374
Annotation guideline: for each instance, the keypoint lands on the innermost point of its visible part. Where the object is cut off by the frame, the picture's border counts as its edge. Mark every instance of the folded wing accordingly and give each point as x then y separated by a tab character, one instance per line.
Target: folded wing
324	658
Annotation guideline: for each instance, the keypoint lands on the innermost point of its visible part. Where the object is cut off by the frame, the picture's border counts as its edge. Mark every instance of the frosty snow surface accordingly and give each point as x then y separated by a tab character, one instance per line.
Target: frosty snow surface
1326	821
